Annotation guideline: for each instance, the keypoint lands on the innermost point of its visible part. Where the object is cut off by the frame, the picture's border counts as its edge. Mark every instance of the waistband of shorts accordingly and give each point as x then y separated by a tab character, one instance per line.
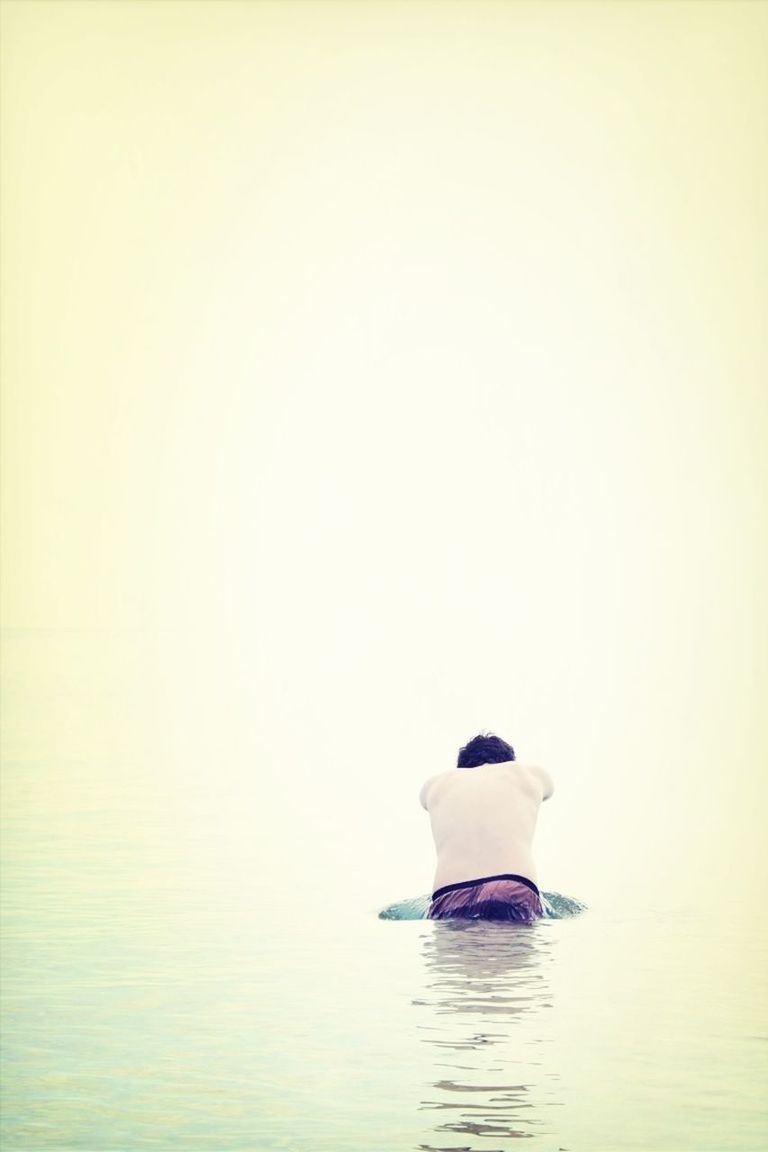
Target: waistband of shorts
486	880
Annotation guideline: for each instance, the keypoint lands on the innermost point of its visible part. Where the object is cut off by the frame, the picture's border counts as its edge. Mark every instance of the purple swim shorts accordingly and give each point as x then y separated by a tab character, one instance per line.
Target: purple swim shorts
506	897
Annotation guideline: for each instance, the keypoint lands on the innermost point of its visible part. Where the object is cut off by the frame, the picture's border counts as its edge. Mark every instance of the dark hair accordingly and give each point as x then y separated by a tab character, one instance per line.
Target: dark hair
485	749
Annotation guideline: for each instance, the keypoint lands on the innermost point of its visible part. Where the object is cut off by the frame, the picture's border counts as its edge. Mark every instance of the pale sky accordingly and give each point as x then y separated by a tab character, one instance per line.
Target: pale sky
399	370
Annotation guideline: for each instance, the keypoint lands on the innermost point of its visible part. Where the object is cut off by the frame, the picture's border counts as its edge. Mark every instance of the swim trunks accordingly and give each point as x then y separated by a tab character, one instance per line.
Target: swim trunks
506	897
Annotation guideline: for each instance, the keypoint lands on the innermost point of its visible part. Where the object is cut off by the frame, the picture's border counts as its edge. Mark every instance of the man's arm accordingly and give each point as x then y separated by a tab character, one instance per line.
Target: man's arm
545	780
424	790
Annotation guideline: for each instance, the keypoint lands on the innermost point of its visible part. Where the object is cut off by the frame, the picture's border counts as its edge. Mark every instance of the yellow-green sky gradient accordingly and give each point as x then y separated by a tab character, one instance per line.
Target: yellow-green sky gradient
419	348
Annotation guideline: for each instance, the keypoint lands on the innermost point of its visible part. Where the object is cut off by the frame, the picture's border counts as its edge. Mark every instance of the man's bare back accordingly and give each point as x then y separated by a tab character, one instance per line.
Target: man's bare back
483	820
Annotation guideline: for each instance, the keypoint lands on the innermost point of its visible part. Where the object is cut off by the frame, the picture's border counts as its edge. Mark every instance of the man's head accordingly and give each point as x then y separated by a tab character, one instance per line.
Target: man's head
485	749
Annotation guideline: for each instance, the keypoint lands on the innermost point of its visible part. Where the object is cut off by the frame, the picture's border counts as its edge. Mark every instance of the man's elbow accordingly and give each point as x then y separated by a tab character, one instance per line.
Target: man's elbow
547	784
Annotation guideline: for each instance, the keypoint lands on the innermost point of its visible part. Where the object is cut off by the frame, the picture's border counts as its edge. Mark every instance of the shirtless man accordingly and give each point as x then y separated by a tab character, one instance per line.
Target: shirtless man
483	815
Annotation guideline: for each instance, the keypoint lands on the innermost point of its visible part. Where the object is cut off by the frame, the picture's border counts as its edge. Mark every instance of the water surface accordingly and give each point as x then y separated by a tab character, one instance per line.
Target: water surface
168	987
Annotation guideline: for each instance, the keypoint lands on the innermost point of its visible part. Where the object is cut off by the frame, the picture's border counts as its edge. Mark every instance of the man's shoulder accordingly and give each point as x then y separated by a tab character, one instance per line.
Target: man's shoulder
530	777
433	785
543	778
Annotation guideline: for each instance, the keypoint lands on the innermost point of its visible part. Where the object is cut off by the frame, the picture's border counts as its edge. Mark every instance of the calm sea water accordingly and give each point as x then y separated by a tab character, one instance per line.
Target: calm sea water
163	988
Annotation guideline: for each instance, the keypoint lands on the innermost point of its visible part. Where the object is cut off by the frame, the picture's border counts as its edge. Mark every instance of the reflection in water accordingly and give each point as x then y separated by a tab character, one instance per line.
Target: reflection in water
486	987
